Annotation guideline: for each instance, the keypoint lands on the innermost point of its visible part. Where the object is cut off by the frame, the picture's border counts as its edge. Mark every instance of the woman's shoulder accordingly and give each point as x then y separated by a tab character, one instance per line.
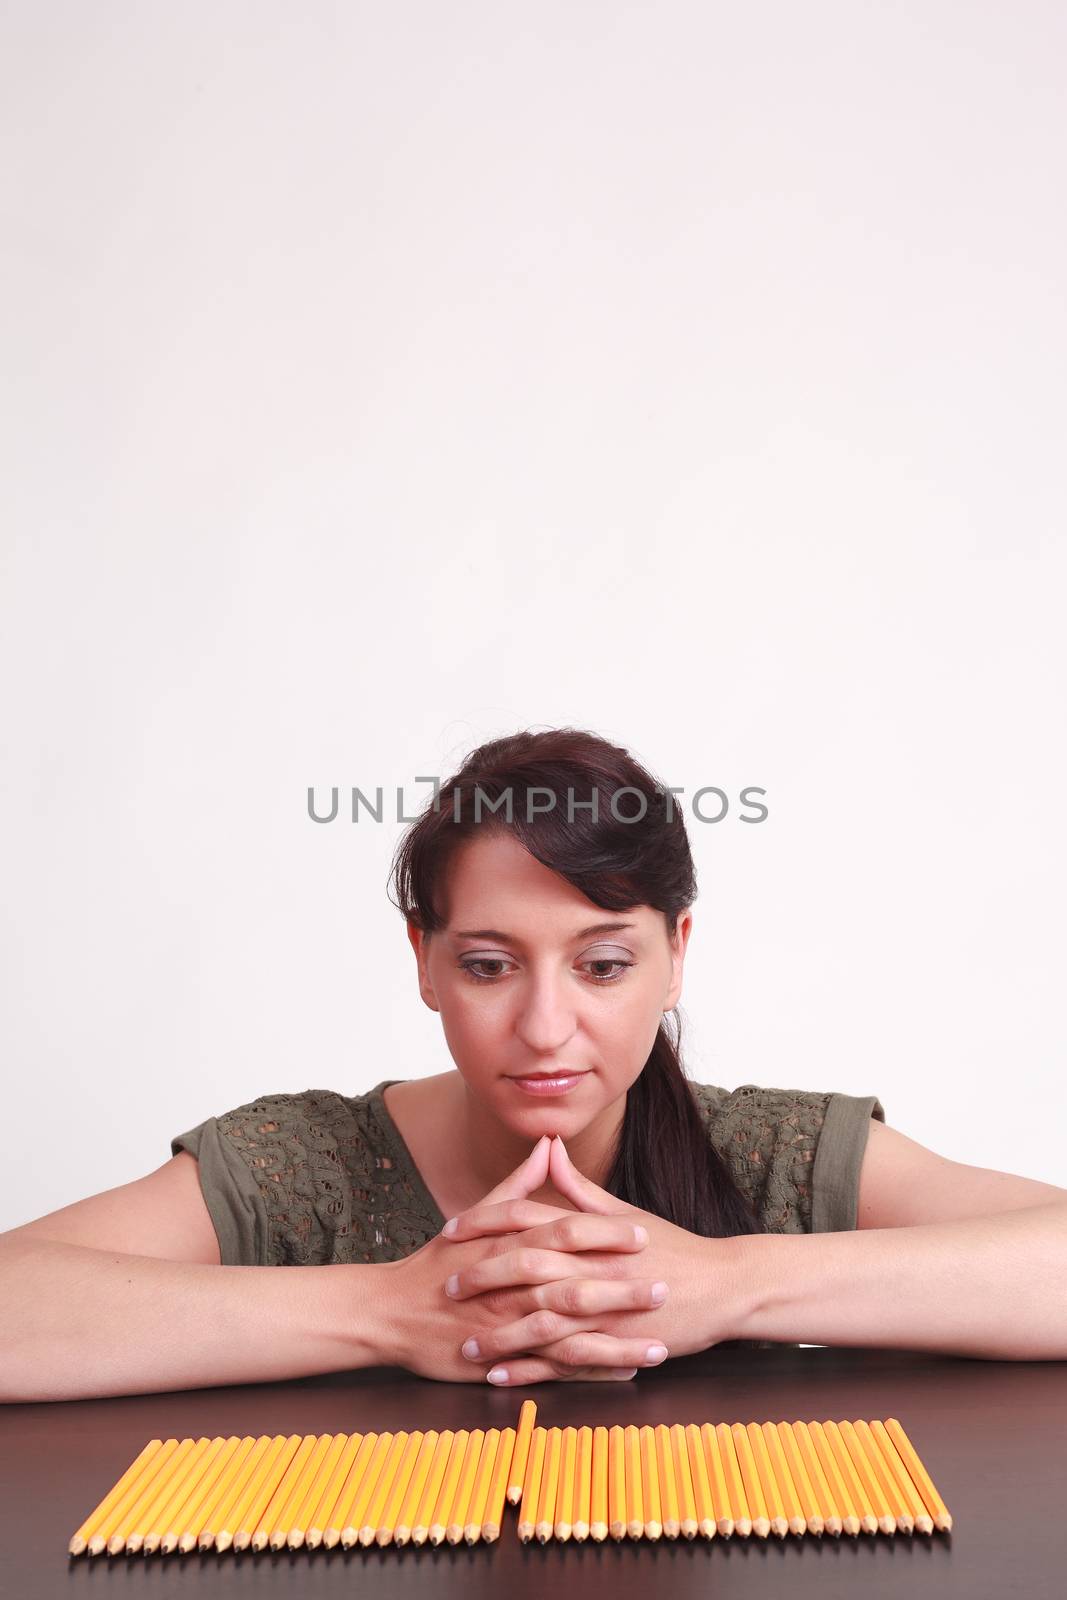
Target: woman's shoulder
309	1177
795	1153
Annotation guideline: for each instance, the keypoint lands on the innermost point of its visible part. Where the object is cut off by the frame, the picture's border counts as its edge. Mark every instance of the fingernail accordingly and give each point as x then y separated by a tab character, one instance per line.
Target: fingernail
452	1285
624	1372
656	1352
472	1352
497	1375
640	1234
659	1292
451	1225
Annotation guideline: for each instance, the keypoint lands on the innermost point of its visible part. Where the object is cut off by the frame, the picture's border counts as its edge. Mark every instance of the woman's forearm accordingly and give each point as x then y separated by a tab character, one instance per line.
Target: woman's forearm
78	1323
994	1287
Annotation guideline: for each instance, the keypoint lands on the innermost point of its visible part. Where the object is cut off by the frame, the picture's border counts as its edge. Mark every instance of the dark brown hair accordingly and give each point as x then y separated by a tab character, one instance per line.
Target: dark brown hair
665	1162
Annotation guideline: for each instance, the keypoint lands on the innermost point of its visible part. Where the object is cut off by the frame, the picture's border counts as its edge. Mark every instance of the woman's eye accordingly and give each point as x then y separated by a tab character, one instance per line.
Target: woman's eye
608	961
598	977
483	961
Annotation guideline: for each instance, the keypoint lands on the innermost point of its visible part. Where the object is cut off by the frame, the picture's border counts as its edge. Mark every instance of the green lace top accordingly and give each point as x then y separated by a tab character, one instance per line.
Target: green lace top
318	1177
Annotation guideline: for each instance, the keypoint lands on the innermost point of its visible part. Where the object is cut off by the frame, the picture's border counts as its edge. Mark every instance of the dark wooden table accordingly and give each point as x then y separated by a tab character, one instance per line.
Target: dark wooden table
992	1434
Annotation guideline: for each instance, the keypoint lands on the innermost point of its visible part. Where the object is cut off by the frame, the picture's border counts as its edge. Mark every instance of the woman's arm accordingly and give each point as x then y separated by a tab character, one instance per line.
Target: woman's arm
78	1323
993	1287
948	1257
80	1320
990	1285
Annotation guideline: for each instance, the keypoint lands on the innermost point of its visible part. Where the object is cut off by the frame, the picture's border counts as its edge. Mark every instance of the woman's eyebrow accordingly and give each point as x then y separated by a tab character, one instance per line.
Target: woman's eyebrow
511	938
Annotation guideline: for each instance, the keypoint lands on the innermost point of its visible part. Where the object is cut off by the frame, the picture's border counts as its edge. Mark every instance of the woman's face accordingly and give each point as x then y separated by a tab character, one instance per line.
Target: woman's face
534	991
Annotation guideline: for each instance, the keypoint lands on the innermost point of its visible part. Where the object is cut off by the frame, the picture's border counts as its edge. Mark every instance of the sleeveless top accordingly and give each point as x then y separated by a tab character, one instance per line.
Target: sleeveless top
317	1178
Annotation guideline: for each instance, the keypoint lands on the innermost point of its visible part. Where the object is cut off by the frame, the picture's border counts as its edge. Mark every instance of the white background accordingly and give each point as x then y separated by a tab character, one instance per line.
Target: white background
383	378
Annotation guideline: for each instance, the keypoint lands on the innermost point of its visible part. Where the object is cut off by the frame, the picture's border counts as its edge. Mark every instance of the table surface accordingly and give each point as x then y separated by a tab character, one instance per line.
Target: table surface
993	1435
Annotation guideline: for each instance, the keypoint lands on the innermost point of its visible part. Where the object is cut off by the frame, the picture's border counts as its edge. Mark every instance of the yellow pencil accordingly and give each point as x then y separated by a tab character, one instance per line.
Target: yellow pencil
839	1493
598	1488
494	1510
139	1494
787	1489
141	1513
356	1496
305	1470
650	1487
413	1494
181	1492
138	1470
809	1502
184	1522
882	1490
232	1480
720	1489
898	1508
833	1513
698	1466
740	1510
757	1505
546	1503
424	1515
942	1516
266	1490
772	1496
523	1435
372	1511
317	1515
447	1492
531	1488
672	1519
472	1528
562	1517
326	1464
398	1489
635	1498
279	1505
684	1479
921	1518
617	1481
583	1483
857	1492
457	1517
872	1491
156	1522
366	1460
232	1515
140	1488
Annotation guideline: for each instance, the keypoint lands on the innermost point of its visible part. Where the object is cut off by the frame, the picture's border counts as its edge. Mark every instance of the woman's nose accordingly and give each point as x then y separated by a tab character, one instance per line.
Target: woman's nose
546	1017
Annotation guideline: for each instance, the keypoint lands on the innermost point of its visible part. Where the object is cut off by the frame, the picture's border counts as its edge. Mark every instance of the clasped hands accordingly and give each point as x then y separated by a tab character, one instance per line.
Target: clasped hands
550	1292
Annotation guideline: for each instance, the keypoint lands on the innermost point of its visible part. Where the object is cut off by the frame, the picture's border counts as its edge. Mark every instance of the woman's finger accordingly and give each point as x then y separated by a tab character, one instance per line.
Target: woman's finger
500	1216
535	1369
585	1352
551	1251
529	1176
553	1280
590	1297
575	1186
554	1229
575	1344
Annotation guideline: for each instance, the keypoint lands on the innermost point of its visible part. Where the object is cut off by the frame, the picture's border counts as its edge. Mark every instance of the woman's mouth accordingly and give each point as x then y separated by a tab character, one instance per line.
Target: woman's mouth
540	1083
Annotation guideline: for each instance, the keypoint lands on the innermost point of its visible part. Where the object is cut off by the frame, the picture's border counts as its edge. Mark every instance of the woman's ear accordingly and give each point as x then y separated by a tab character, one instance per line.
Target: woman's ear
420	944
678	943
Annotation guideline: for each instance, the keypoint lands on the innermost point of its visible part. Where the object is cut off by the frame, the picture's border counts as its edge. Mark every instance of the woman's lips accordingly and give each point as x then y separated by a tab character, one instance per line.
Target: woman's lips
561	1083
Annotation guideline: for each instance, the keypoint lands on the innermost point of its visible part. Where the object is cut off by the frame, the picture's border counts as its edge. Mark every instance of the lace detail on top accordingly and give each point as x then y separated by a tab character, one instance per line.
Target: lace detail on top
317	1177
768	1139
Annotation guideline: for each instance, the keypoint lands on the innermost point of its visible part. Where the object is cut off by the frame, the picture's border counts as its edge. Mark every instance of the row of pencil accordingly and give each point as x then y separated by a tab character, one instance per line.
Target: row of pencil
664	1480
329	1489
568	1482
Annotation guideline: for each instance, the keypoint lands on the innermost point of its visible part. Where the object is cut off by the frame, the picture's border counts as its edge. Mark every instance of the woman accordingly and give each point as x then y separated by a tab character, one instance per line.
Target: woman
605	1213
